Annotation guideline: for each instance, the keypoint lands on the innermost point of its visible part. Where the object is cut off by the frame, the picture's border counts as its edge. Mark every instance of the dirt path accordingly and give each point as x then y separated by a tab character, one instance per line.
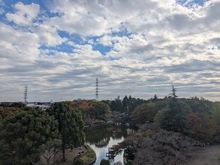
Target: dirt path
209	155
70	155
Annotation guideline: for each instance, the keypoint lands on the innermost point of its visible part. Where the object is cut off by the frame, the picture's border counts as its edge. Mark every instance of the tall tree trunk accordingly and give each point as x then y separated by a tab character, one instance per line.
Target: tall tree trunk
63	150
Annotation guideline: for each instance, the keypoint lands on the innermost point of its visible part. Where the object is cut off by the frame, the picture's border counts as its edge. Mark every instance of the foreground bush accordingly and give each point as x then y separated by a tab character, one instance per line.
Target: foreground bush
104	162
79	162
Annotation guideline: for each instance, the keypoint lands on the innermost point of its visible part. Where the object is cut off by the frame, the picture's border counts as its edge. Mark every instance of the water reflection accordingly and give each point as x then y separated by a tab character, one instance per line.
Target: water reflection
102	139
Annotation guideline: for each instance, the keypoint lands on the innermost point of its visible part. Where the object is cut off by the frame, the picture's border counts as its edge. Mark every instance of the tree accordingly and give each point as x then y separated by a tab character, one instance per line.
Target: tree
155	97
174	118
117	105
70	125
143	113
99	109
7	111
173	92
50	150
22	135
200	128
129	103
18	105
199	106
216	114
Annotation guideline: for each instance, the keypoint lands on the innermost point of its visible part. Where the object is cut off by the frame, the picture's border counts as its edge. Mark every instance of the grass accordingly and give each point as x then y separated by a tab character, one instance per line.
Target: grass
90	155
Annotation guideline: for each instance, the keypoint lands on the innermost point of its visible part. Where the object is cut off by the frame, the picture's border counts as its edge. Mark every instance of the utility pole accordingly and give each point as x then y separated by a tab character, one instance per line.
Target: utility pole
25	94
97	89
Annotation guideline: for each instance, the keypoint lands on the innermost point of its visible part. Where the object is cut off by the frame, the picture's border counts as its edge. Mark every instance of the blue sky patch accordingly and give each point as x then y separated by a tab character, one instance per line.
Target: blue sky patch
60	48
191	2
102	49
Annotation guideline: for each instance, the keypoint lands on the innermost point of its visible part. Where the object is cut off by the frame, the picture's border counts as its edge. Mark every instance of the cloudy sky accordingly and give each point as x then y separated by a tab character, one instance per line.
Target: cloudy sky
134	47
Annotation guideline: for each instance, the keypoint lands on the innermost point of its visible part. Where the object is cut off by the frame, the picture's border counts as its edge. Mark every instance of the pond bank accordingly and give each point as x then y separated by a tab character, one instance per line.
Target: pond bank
100	140
89	157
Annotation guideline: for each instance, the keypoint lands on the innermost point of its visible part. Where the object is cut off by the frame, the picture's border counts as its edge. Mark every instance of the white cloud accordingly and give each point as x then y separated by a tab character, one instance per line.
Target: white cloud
48	35
153	44
24	14
16	44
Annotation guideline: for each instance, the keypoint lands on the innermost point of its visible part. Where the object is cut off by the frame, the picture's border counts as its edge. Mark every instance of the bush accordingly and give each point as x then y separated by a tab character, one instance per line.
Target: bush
174	118
129	162
105	162
79	162
90	155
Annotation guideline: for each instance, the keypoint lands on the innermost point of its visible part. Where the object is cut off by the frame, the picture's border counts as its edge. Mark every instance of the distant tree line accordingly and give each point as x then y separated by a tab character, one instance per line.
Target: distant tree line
26	134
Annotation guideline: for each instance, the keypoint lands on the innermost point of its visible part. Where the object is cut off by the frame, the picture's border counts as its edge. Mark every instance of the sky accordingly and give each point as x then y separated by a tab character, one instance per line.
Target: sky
140	48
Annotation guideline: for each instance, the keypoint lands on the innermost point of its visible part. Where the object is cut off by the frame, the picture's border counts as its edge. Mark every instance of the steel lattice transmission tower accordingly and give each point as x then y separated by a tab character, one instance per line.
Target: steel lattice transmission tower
97	89
25	94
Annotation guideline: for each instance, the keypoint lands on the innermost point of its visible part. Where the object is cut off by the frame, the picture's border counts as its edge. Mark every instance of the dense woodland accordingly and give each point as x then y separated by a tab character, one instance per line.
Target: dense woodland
27	133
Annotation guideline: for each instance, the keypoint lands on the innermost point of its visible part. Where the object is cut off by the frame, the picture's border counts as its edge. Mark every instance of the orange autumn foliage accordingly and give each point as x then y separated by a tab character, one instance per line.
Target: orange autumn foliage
201	128
6	111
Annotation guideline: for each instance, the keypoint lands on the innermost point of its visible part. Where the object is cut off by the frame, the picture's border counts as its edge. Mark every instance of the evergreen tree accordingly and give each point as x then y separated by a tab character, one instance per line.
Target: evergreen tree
70	125
22	135
174	117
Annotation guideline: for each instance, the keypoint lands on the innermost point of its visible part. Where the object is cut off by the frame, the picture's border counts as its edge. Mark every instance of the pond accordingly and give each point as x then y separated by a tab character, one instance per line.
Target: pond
102	139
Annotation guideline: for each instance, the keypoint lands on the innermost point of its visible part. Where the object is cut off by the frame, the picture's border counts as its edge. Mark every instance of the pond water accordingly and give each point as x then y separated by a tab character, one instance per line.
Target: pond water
102	139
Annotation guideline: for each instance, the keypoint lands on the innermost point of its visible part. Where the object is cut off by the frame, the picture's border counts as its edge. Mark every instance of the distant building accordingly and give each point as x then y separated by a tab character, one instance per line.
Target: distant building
42	105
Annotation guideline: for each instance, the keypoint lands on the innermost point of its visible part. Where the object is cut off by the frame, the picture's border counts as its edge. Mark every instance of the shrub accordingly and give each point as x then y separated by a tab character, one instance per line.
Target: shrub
105	162
79	162
129	162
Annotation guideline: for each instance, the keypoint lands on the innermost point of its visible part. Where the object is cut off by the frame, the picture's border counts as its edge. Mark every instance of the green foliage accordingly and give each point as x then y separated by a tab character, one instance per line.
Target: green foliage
144	113
79	162
18	105
117	105
129	103
70	125
174	118
199	119
22	135
50	150
104	162
215	116
99	109
90	155
5	104
160	117
215	113
199	106
200	128
147	133
129	162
